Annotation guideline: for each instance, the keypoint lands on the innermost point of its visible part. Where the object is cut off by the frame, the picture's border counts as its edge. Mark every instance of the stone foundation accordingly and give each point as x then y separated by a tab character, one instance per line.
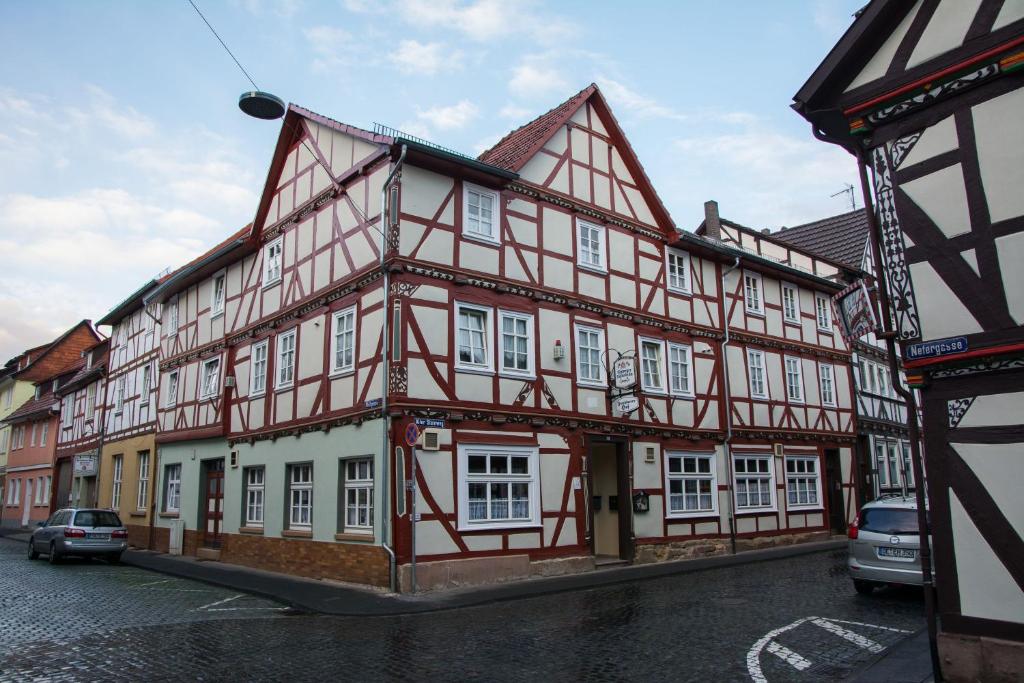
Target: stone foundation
680	550
758	542
349	562
966	659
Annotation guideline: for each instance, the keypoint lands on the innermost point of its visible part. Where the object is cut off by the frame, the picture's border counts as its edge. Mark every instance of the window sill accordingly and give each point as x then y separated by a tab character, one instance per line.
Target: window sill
137	513
804	508
506	374
592	385
284	387
654	392
756	314
214	316
795	401
257	394
169	515
271	283
481	239
297	533
693	516
529	526
253	530
474	370
794	323
759	398
336	374
352	536
597	270
685	397
681	292
755	511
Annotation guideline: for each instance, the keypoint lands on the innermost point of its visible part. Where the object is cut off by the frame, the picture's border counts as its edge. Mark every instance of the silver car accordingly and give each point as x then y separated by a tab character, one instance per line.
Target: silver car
885	544
81	532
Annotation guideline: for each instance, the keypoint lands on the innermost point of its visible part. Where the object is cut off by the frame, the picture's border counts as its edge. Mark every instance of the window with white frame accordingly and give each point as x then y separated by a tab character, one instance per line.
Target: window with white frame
883	381
172	315
255	484
499	486
677	267
210	378
8	396
44	430
4	436
803	483
358	487
908	468
472	337
343	341
285	359
516	343
90	401
752	293
172	388
147	381
119	395
680	369
14	493
67	412
272	261
881	468
589	348
590	245
753	474
18	439
46	489
652	365
790	303
217	295
172	488
300	496
32	436
258	368
39	491
115	490
692	487
794	380
756	371
480	208
142	494
824	312
826	374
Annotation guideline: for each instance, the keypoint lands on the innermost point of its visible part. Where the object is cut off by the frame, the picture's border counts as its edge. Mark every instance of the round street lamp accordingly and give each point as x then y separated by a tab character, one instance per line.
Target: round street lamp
261	105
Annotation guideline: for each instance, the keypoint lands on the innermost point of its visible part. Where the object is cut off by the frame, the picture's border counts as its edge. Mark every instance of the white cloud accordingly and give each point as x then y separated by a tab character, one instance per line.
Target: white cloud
515	112
451	117
535	78
332	46
488	20
622	97
281	8
414	57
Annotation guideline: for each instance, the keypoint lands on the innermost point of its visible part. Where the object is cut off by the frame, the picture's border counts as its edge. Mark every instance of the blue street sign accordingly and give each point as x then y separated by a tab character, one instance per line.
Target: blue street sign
430	422
939	347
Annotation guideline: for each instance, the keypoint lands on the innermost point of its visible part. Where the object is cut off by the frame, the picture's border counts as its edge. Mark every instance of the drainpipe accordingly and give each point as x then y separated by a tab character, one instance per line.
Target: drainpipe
385	364
728	406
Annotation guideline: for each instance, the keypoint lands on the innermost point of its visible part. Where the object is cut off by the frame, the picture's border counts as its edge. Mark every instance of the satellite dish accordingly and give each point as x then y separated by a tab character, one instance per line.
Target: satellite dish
261	105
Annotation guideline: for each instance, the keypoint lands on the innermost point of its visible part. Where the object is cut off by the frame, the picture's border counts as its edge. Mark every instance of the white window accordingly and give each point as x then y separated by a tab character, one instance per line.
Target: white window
172	490
803	485
211	378
44	429
472	337
3	440
258	369
589	349
758	378
18	440
680	369
826	374
880	465
90	401
824	310
8	396
752	293
794	380
39	491
46	489
143	490
217	295
172	388
677	268
753	482
272	261
480	208
692	487
14	495
285	359
359	495
908	467
147	381
300	496
172	315
119	395
590	245
883	381
516	343
790	303
115	491
32	436
652	365
343	341
498	487
254	492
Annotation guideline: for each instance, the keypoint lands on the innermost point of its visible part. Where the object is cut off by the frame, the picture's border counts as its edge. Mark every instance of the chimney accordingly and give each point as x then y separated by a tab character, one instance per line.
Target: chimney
712	225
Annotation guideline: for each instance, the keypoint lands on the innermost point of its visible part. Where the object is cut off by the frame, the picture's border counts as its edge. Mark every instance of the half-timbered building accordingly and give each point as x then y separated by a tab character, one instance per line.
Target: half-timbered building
928	96
13	393
80	431
488	299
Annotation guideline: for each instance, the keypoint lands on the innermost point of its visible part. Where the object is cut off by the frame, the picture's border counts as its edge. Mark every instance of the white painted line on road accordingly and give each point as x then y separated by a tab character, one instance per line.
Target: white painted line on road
242	609
151	583
754	654
787	655
861	623
855	638
220	602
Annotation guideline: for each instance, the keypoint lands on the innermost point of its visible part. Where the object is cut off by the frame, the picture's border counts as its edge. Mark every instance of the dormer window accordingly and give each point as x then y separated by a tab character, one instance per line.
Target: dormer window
39	392
480	213
88	359
217	295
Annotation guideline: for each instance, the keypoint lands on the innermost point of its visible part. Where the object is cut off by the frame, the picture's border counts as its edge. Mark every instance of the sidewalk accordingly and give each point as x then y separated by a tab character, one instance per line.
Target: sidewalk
908	662
324	597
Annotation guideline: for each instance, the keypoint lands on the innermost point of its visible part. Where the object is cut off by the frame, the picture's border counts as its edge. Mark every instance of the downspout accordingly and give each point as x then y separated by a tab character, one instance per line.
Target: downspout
728	407
385	364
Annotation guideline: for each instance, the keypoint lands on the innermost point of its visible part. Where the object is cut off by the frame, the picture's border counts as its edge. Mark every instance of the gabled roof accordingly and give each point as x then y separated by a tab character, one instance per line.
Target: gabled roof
48	364
87	374
33	408
128	306
841	238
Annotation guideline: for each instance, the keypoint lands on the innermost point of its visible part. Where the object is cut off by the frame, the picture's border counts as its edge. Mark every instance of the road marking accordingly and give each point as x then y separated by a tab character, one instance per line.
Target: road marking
861	623
784	653
754	655
242	609
151	583
220	602
855	638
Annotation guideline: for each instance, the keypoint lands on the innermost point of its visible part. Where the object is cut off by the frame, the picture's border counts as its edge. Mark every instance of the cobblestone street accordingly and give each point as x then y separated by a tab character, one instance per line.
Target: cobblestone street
795	619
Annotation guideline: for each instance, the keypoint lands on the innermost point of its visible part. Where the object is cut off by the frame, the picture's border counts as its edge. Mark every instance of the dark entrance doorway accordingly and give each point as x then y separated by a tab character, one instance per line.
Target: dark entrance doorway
213	502
611	503
834	482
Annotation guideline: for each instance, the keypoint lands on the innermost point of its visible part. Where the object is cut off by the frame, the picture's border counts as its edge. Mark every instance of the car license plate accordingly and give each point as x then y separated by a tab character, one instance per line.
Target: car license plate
98	537
903	554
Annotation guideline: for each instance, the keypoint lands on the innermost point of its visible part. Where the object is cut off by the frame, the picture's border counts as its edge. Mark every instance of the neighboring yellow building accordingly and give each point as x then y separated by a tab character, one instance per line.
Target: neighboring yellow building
126	483
13	393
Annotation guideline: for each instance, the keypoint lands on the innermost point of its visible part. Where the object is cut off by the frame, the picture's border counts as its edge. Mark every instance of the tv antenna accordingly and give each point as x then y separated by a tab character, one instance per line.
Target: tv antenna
848	190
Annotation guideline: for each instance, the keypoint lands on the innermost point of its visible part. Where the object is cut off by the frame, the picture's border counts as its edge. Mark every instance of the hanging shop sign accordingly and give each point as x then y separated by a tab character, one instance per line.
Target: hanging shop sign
855	311
624	372
626	404
86	464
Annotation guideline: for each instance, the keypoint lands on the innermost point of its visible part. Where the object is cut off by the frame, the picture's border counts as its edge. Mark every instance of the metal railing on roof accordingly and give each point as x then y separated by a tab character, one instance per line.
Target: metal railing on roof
381	129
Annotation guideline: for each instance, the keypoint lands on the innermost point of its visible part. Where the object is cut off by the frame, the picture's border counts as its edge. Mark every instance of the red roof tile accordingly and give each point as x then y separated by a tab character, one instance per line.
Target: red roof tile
841	238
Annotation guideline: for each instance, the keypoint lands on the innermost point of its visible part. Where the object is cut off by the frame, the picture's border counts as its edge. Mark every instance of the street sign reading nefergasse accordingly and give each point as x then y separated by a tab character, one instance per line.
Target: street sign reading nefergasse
855	311
624	373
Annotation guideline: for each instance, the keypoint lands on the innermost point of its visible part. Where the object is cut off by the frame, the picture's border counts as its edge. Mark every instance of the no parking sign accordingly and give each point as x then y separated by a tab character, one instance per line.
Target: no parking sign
412	434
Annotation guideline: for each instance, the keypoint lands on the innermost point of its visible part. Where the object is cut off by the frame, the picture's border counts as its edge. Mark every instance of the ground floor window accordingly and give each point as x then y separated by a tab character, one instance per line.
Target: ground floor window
358	487
172	488
498	486
691	483
115	492
754	482
254	491
300	496
803	482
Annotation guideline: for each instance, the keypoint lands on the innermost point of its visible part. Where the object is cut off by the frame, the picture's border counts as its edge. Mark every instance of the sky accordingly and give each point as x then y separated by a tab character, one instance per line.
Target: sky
123	153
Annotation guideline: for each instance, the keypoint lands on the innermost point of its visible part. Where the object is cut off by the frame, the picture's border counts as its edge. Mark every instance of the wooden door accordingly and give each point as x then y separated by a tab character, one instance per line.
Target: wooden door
834	482
213	507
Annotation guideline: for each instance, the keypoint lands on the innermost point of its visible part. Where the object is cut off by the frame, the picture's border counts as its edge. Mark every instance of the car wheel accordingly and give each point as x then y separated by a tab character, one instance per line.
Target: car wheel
33	554
53	557
114	558
864	587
